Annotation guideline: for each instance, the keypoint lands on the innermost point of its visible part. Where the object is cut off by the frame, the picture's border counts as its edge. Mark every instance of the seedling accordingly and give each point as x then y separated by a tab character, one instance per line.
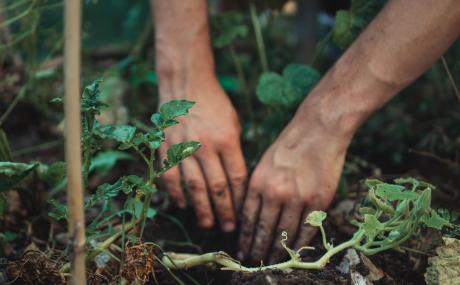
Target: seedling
389	216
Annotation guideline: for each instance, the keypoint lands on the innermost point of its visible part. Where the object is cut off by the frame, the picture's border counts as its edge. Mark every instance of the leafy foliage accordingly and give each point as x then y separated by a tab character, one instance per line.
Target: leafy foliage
104	161
52	174
178	152
118	133
227	27
58	211
12	173
395	212
169	111
290	88
316	218
349	23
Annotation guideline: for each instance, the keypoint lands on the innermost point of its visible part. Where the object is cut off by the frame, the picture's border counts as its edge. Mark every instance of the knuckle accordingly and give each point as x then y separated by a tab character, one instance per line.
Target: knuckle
218	188
238	179
194	185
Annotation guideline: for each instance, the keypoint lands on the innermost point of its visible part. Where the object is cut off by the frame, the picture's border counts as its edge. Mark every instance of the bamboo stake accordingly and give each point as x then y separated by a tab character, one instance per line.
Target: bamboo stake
72	19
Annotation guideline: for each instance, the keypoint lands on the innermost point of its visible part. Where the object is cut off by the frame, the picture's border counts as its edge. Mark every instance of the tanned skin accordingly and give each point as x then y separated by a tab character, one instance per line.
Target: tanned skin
301	169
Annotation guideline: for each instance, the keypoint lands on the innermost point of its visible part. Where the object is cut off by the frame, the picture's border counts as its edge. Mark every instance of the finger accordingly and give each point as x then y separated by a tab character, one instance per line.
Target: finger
219	191
248	221
289	223
235	168
171	181
196	186
306	232
265	229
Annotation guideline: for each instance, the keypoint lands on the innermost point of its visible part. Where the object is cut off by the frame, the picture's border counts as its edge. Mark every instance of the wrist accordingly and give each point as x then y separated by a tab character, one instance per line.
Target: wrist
347	95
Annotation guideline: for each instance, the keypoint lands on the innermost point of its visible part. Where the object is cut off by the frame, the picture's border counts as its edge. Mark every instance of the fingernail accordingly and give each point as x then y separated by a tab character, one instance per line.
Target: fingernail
228	227
240	255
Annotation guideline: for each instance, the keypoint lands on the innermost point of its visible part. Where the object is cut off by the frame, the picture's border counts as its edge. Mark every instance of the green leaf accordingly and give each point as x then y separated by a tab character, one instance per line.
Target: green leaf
288	90
106	191
52	174
372	183
227	27
119	133
371	226
148	189
90	101
178	152
134	206
104	161
422	204
316	218
349	23
392	192
434	220
170	111
58	211
12	173
8	236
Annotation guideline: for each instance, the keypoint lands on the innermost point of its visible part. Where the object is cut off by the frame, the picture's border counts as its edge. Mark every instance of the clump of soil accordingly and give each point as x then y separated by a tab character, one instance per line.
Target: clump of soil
328	276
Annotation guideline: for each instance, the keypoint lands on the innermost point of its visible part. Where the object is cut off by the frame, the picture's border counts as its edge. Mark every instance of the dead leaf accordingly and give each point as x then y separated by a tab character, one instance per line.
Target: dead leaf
444	269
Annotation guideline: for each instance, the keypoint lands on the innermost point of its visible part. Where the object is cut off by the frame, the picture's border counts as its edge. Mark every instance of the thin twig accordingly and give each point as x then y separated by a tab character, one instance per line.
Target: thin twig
259	37
13	104
451	78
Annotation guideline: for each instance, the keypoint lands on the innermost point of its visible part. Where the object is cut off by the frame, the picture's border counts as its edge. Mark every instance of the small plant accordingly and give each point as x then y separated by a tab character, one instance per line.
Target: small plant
104	232
389	216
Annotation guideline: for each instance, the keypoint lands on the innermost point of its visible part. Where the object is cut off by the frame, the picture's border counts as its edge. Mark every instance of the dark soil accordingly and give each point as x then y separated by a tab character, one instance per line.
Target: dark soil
399	267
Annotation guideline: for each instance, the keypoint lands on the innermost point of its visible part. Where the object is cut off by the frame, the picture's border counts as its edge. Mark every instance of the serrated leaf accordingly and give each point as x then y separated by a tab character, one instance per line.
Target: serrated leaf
118	133
434	220
58	211
104	161
12	173
392	192
106	191
444	267
90	101
288	90
371	226
178	152
52	174
316	218
169	111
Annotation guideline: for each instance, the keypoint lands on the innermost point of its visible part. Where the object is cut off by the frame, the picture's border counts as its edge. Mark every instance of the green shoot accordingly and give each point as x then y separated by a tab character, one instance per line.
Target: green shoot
391	214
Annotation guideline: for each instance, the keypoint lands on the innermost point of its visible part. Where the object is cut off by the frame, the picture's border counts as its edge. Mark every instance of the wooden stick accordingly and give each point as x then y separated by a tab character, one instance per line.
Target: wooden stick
72	19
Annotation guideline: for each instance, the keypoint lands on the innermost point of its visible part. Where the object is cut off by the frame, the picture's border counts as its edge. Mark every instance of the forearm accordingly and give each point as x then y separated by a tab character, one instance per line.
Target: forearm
182	44
405	39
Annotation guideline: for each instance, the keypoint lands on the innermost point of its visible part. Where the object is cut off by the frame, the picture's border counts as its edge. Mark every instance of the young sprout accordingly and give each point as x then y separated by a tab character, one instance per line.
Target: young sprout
389	216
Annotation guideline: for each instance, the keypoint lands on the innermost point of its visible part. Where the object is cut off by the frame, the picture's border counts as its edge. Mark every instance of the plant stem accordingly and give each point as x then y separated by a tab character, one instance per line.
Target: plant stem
323	236
21	94
72	140
451	78
259	37
243	82
185	261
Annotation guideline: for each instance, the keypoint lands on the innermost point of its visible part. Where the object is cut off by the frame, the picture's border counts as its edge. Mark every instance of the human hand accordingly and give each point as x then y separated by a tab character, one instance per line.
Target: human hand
297	174
216	173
